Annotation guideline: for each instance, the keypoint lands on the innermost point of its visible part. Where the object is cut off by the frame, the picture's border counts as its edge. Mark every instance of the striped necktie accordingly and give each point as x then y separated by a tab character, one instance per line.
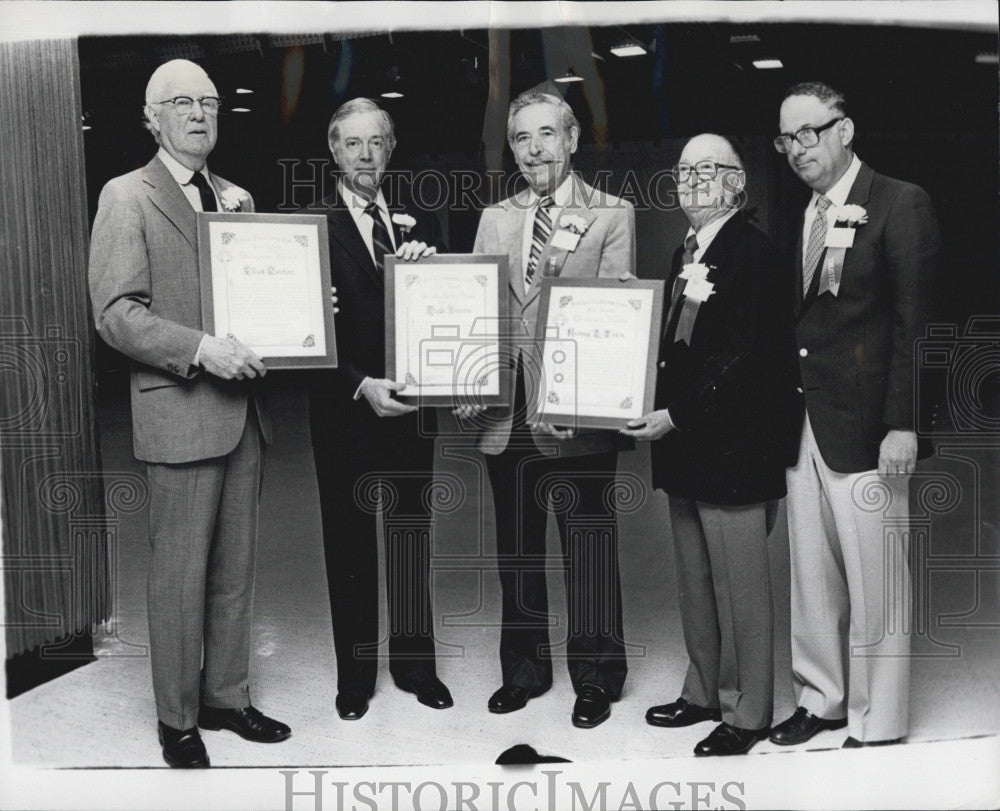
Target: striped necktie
539	237
817	238
381	241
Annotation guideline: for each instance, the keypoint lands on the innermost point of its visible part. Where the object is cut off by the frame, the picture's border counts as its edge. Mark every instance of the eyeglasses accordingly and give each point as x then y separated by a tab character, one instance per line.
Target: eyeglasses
704	170
807	136
184	104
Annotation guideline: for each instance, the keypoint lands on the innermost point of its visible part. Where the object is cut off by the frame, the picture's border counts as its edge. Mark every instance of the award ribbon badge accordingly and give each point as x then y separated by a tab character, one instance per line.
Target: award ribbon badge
697	289
838	241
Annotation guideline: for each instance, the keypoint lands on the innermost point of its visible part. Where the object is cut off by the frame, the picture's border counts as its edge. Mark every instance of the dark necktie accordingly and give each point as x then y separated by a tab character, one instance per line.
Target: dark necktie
204	191
381	241
817	238
539	236
690	246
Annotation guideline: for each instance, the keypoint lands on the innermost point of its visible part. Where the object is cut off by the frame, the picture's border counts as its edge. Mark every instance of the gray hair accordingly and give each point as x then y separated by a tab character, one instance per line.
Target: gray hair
530	97
154	88
822	91
360	105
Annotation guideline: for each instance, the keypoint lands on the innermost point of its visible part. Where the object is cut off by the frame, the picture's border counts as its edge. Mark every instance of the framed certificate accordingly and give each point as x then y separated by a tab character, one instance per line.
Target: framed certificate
445	319
265	279
599	340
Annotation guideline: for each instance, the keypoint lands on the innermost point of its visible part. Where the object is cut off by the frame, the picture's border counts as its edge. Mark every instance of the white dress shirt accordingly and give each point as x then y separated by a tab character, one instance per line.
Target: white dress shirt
357	205
708	233
183	176
837	195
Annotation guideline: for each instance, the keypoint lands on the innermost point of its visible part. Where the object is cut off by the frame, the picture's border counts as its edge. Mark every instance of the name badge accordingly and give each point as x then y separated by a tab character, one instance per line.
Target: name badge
565	240
839	238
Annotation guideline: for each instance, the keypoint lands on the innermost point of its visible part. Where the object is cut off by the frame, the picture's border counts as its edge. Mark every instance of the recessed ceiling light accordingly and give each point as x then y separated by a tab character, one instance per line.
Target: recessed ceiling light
86	127
569	76
767	64
743	39
632	49
987	58
243	91
392	94
597	56
240	110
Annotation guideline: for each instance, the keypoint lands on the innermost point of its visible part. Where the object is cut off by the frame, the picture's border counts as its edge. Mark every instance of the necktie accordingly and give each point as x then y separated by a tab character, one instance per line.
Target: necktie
381	241
690	246
539	236
817	236
204	191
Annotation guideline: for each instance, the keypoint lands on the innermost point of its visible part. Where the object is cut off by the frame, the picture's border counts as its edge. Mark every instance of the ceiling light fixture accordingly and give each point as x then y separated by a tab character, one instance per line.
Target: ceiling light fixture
743	39
243	91
629	49
987	58
568	76
240	110
767	64
392	94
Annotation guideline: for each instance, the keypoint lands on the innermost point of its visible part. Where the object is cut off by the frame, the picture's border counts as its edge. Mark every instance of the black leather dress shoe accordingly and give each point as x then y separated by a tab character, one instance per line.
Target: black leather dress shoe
854	743
681	713
430	692
182	748
352	704
726	739
802	726
508	698
247	722
592	707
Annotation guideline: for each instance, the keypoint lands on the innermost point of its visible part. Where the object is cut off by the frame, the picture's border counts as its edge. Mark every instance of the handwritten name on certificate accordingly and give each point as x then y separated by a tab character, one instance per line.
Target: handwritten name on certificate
445	316
267	286
595	353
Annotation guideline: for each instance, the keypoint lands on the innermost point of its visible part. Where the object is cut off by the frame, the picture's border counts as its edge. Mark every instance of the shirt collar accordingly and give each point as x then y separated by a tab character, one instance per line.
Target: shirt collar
560	197
357	204
179	171
709	232
837	193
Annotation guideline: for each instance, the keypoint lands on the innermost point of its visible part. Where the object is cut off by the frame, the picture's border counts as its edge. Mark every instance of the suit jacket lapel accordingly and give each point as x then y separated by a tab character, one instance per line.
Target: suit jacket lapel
513	224
345	231
167	196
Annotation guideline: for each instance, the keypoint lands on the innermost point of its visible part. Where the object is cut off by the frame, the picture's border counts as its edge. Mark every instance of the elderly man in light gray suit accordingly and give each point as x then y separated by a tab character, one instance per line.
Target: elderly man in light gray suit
529	462
198	420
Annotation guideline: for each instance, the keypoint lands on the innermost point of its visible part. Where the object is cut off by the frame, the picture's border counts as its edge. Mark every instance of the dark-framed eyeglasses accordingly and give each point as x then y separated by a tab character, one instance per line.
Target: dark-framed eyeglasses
807	136
703	170
184	104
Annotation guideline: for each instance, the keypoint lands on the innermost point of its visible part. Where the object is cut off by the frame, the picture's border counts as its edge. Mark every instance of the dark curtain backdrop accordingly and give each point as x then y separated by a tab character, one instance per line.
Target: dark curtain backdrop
56	553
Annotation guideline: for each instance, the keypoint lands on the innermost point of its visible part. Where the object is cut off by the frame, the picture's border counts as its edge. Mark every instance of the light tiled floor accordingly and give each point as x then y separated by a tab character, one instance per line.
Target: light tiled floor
103	714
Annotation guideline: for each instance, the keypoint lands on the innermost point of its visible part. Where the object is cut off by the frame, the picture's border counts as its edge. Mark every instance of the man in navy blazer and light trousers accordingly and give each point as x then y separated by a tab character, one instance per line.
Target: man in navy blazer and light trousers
869	252
198	420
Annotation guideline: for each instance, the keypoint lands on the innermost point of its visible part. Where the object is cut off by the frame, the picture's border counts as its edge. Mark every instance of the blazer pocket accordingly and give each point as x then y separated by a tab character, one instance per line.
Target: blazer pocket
147	381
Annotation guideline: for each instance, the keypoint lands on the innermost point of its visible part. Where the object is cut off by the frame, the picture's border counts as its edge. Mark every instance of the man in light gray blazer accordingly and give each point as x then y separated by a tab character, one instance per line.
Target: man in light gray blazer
530	462
198	420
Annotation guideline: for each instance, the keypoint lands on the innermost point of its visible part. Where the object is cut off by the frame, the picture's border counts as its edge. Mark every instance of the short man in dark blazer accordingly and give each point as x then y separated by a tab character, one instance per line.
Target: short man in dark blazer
718	433
868	253
368	446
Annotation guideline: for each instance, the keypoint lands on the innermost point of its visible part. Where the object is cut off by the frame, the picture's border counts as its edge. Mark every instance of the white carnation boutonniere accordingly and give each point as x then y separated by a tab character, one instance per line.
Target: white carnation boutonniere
850	214
574	223
234	198
404	221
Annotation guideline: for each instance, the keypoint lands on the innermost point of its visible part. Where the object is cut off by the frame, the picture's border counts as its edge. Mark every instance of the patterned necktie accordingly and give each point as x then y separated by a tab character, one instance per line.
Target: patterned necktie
690	246
539	236
381	241
204	192
817	237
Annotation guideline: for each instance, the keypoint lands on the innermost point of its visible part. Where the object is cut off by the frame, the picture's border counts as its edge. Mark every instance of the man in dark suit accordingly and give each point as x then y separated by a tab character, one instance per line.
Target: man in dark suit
868	254
717	450
197	420
370	449
528	461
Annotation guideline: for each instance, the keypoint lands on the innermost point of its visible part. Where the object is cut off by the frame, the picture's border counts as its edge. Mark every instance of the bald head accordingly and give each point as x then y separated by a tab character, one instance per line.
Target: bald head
702	197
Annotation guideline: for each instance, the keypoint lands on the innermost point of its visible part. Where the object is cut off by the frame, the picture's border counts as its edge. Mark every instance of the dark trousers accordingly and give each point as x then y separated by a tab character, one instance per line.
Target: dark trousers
523	483
355	486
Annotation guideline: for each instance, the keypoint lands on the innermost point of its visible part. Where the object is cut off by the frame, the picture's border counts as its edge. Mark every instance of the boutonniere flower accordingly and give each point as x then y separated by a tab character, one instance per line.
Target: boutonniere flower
851	214
696	270
574	224
404	221
233	198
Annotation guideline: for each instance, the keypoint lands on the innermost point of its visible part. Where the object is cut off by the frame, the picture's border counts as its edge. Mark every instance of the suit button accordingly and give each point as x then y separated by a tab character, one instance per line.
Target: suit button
662	364
803	352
